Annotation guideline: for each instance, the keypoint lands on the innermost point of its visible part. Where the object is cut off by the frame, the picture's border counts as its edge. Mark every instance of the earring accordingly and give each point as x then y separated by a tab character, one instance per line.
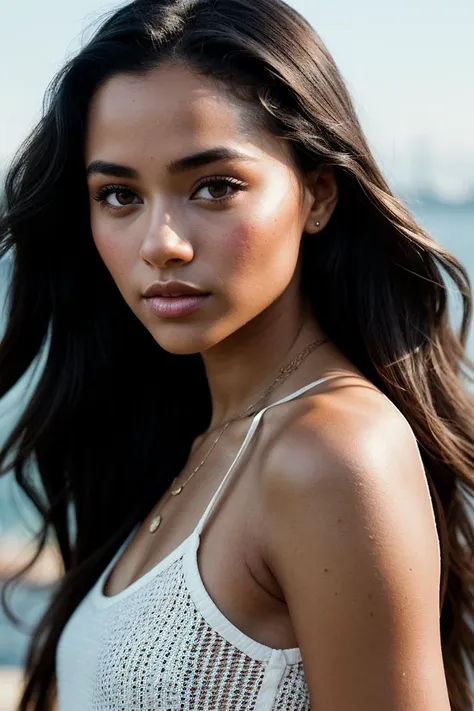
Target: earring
318	223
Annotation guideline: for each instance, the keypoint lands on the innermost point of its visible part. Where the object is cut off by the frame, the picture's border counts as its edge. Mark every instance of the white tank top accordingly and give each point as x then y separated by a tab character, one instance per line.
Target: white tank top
163	645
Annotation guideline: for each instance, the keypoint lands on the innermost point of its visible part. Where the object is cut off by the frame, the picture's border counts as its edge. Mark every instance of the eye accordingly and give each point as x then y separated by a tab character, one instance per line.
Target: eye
218	189
121	196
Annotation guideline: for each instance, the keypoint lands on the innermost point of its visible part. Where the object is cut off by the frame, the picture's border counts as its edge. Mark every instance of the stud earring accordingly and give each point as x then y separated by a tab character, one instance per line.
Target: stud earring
317	223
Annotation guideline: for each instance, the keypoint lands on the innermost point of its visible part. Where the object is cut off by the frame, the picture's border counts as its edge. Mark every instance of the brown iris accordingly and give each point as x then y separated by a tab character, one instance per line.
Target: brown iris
119	193
218	189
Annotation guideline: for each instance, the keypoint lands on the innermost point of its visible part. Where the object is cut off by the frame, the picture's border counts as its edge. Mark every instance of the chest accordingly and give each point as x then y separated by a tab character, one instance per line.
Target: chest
229	560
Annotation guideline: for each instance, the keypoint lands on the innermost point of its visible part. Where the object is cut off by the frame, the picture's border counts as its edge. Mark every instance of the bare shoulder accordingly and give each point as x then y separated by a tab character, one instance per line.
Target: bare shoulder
348	532
350	438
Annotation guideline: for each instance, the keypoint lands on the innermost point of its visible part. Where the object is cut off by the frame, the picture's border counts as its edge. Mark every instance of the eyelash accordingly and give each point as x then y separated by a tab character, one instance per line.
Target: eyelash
106	190
219	179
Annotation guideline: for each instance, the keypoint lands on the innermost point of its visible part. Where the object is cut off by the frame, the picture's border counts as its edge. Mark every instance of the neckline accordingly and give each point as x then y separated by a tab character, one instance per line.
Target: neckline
100	599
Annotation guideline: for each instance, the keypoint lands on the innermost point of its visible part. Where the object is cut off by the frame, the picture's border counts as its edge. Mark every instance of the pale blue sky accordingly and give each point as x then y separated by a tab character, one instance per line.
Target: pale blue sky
408	64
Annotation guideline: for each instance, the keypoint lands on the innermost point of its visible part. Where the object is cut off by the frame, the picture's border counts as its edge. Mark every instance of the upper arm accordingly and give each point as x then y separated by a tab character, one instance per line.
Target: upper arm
349	535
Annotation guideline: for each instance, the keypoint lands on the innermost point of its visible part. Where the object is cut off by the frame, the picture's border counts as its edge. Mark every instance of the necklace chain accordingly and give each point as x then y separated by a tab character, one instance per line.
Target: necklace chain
250	410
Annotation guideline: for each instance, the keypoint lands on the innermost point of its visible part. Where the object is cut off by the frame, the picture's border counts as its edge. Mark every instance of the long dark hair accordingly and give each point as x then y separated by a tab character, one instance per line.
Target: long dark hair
113	416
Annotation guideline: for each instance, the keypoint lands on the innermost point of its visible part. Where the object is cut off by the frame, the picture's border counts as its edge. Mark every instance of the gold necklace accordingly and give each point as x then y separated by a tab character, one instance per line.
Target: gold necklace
282	376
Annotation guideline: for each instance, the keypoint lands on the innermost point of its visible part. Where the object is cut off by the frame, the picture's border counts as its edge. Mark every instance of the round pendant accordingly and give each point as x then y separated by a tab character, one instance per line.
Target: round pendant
175	492
154	524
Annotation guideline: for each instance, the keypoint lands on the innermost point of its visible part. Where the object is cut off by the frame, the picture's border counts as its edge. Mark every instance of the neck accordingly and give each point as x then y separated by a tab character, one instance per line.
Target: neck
240	368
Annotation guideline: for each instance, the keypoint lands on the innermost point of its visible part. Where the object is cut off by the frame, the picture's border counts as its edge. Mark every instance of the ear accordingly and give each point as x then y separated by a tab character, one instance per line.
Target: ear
321	194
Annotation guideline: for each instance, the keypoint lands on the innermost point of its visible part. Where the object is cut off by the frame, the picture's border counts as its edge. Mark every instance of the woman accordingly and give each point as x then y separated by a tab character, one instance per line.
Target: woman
251	520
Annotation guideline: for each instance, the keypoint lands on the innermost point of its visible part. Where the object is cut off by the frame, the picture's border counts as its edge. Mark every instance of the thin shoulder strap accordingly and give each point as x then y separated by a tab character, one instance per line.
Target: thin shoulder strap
255	422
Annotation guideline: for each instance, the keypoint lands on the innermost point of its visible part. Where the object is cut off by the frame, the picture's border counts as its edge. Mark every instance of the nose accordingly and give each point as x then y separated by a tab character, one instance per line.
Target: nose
165	241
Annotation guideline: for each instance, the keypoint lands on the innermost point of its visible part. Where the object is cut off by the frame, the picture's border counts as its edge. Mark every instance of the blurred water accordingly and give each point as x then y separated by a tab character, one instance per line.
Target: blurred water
452	227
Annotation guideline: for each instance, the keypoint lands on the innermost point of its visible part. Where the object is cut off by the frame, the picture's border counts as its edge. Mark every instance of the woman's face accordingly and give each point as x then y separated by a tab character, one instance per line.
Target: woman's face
229	223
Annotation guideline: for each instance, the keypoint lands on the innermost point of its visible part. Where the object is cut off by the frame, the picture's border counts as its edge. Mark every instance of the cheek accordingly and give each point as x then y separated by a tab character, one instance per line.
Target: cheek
264	242
111	249
257	258
241	245
237	255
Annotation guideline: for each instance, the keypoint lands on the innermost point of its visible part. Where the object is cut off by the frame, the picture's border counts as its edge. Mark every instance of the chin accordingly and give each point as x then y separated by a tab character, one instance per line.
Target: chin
185	337
185	341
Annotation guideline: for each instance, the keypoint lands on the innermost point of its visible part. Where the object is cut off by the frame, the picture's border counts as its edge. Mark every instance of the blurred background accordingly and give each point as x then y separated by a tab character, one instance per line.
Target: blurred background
409	68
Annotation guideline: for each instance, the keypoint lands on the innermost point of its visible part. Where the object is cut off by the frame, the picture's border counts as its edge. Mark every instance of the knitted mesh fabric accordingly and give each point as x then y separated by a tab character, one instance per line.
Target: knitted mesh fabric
158	652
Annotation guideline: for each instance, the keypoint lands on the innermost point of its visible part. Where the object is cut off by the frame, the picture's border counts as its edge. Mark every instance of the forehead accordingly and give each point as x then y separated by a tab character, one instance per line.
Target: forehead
170	108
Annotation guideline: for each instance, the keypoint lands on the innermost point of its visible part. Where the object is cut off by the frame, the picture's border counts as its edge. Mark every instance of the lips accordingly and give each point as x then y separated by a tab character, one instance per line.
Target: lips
172	289
174	307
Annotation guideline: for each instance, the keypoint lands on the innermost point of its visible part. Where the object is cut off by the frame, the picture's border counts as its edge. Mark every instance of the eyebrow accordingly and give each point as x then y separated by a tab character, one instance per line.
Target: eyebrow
103	167
182	165
205	157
